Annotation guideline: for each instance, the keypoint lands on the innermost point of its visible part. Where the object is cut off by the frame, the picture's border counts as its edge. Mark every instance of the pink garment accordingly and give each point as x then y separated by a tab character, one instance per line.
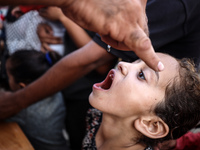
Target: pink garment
189	141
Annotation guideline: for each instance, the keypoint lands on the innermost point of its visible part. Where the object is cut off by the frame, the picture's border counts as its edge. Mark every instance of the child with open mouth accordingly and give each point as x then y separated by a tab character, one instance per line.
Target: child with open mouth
135	107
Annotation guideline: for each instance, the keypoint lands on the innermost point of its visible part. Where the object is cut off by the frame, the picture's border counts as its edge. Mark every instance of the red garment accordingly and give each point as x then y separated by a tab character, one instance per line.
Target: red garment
189	141
2	17
25	9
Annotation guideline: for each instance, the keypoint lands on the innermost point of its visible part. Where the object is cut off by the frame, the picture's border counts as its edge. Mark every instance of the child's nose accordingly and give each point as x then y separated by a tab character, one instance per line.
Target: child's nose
123	67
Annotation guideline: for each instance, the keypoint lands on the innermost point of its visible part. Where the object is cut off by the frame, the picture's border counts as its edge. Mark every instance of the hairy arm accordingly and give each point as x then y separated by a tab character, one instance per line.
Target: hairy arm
61	75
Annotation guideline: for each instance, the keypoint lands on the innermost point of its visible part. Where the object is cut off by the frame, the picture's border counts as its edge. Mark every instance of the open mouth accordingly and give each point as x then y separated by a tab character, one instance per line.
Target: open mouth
106	84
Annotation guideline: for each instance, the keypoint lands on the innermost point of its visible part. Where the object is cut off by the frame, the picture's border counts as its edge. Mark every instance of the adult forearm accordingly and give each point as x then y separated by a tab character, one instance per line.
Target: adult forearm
66	71
61	75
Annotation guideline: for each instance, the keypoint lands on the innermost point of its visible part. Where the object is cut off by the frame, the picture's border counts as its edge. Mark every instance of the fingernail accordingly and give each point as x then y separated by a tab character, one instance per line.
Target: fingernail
160	66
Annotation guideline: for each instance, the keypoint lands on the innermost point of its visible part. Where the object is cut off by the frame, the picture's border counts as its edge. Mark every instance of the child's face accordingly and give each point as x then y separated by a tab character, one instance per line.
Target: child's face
133	89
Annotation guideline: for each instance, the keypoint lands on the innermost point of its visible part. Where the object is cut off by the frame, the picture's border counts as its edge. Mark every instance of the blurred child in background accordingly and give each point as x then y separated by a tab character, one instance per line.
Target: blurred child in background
43	122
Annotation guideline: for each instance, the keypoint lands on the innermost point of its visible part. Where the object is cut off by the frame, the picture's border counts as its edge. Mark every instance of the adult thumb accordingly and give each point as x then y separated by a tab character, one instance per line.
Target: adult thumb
140	43
146	52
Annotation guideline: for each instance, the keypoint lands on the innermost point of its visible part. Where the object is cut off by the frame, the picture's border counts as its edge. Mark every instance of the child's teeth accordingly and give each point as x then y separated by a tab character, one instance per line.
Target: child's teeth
111	76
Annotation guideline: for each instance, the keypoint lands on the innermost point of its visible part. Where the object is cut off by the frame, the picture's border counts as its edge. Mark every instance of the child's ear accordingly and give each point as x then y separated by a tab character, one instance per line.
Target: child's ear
152	127
22	85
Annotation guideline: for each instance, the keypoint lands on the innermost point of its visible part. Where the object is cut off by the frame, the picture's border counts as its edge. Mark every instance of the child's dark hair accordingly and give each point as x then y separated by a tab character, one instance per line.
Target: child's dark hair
180	109
28	65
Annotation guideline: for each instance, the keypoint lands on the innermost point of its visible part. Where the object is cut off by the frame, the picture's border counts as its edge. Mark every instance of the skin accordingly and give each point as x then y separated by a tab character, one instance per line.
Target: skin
79	36
77	64
125	101
115	23
16	12
45	33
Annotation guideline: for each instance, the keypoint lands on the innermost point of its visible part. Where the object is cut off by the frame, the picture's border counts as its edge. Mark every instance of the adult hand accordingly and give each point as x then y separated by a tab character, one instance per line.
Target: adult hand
51	13
121	24
45	34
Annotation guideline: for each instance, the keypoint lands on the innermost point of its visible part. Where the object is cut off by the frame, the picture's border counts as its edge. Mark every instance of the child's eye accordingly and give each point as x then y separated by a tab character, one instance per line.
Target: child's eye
141	75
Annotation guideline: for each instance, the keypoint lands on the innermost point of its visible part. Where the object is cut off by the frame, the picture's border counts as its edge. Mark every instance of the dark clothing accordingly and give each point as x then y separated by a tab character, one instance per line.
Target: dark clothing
93	120
76	99
77	103
174	27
